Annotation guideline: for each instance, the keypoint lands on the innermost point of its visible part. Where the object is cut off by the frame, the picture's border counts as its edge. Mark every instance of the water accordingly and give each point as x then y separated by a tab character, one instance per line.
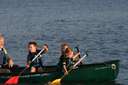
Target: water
97	25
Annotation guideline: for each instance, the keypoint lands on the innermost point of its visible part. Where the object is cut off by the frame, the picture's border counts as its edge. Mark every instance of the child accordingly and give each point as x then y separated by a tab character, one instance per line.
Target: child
33	51
63	59
10	65
70	59
66	58
71	55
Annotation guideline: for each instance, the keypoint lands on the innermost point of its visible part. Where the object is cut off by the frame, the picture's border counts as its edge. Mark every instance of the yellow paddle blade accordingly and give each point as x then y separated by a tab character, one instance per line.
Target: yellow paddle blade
56	82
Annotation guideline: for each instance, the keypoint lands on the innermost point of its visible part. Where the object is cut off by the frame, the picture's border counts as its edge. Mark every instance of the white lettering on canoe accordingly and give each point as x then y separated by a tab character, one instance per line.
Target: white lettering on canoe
100	68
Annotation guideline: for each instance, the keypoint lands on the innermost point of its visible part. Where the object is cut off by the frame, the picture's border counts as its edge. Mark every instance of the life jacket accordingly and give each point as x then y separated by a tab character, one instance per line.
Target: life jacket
3	56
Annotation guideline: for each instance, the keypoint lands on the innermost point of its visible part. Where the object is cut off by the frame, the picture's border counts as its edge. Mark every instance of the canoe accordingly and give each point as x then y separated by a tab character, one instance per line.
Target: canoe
105	71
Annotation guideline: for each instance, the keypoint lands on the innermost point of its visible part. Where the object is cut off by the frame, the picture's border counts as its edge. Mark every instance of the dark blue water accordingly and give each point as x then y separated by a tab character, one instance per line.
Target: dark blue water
101	26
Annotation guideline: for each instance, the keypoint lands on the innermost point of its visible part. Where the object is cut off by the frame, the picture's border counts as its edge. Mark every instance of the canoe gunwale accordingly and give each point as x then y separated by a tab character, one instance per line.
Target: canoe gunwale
81	68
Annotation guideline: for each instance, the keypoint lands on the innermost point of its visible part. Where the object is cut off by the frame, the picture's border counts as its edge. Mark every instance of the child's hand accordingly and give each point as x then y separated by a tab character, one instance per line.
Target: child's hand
78	53
66	73
45	47
27	66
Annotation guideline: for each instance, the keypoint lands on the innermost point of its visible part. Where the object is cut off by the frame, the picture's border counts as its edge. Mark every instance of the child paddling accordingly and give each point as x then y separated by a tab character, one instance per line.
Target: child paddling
33	51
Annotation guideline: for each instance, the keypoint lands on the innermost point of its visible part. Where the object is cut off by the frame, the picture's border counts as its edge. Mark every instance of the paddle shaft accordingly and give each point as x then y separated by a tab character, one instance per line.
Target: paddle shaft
32	61
78	50
79	61
37	55
75	65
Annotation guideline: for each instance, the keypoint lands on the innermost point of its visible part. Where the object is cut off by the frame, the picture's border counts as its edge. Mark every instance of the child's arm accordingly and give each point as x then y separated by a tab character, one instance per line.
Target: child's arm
65	69
76	55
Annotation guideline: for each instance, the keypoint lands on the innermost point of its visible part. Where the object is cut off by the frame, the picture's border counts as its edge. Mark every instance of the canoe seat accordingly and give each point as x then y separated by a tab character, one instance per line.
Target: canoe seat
47	69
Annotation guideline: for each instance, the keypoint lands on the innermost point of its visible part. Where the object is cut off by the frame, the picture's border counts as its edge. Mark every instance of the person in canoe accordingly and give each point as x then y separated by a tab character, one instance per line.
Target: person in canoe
63	59
64	46
74	53
3	51
73	57
33	51
67	58
10	65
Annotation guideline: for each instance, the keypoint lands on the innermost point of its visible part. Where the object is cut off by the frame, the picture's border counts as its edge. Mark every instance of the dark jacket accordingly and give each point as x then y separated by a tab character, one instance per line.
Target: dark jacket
12	69
63	61
37	62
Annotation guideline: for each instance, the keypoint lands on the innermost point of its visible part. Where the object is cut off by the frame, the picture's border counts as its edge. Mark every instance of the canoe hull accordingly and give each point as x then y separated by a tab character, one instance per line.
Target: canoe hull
106	71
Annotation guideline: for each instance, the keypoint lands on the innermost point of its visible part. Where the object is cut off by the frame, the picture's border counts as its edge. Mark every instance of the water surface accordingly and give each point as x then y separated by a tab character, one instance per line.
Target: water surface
99	26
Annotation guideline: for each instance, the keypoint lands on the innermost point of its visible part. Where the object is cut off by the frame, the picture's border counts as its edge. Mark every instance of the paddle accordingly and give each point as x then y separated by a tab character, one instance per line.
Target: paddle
15	79
58	81
78	50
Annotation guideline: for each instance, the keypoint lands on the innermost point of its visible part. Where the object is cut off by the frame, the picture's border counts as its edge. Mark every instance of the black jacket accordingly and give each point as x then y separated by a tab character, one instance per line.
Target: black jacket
37	62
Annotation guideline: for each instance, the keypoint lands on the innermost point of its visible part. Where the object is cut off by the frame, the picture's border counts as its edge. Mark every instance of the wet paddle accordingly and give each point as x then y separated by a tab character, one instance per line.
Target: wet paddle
15	79
58	81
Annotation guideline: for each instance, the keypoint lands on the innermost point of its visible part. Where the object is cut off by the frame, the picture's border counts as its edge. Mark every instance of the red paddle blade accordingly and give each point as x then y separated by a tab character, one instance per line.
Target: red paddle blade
12	80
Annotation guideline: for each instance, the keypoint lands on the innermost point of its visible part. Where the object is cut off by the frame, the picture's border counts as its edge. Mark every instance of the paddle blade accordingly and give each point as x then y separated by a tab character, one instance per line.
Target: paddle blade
12	80
56	82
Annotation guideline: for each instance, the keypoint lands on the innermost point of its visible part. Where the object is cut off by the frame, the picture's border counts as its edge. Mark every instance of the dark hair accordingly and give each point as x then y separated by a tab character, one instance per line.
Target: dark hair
46	45
32	43
9	58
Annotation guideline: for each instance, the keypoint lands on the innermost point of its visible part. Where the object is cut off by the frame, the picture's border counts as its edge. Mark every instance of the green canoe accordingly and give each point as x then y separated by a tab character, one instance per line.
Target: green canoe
106	71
